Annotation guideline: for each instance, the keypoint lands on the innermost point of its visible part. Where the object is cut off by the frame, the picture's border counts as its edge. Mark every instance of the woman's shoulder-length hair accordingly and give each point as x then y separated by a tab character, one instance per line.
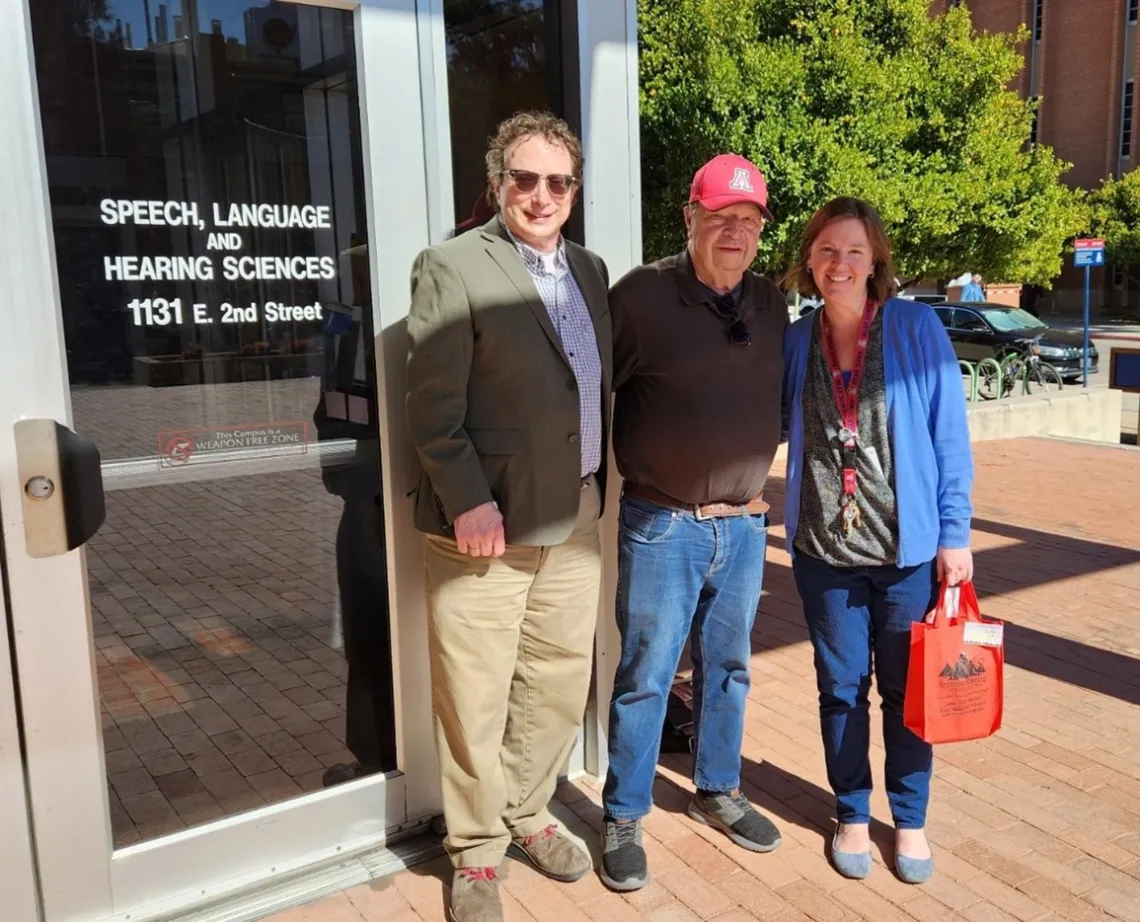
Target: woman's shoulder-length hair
881	284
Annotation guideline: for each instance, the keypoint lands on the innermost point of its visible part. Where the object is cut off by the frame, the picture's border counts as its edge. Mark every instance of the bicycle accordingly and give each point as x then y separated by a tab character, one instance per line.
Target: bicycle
1023	365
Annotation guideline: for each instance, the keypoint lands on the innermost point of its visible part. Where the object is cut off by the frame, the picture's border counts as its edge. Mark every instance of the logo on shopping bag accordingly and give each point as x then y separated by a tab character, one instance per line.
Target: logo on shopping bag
965	668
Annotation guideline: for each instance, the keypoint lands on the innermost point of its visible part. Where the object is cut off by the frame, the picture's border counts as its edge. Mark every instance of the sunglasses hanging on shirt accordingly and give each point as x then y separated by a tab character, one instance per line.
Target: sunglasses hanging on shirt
725	308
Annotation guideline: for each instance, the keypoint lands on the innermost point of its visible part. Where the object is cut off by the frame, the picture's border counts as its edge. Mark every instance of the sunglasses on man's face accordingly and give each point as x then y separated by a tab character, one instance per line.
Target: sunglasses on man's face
725	308
559	184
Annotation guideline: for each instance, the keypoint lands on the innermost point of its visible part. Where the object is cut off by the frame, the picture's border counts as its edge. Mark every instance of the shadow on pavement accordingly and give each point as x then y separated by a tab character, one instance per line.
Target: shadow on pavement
1034	559
785	797
1031	559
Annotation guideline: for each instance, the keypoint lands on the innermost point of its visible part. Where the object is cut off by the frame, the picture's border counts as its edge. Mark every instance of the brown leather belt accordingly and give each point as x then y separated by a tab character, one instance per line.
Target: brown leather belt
701	511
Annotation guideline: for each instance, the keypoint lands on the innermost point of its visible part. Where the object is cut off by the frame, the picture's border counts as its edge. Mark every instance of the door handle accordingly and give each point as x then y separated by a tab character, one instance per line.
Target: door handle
61	479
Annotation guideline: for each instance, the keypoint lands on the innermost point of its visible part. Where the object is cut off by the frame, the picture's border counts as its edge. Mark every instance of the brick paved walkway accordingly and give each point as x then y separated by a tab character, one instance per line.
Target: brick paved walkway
220	686
125	420
1041	822
220	628
219	645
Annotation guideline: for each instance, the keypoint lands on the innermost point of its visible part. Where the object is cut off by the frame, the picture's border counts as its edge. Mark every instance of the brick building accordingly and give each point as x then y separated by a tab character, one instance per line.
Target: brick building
1081	63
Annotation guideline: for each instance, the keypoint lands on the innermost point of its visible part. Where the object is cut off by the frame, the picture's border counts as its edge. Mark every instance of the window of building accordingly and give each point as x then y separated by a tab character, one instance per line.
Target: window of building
1126	121
1034	101
1133	11
1038	15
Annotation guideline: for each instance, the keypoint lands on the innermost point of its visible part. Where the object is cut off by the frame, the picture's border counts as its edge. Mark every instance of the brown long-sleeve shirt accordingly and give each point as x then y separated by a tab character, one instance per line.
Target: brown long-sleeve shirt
697	417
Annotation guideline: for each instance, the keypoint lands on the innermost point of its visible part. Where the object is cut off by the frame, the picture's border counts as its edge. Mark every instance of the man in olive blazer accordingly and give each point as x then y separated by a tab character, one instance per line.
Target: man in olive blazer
492	397
508	403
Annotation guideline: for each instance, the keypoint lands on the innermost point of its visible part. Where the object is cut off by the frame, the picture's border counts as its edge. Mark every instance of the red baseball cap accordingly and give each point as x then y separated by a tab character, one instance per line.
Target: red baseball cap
729	179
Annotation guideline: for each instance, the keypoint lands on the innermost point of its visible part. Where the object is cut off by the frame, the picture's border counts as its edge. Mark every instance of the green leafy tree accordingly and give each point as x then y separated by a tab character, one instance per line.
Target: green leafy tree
872	98
1115	216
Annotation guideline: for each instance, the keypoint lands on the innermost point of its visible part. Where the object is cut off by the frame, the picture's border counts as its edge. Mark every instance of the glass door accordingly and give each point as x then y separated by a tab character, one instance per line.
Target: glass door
211	685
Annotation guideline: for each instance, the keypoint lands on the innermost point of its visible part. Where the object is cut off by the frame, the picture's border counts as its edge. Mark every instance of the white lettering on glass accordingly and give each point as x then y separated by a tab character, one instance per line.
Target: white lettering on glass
224	238
312	217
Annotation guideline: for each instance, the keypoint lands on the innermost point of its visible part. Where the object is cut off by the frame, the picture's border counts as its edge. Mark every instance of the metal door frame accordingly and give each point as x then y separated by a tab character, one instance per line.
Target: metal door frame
17	864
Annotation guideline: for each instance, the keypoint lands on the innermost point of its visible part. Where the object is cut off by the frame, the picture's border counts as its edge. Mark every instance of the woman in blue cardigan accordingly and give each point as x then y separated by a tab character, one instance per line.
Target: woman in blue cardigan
877	510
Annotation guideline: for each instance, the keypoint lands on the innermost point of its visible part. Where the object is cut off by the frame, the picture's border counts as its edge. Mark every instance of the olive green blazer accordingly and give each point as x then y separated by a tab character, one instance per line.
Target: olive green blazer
492	401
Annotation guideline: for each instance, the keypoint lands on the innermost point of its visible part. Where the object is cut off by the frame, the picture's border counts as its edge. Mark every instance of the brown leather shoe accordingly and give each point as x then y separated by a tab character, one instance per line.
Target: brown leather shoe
553	854
475	896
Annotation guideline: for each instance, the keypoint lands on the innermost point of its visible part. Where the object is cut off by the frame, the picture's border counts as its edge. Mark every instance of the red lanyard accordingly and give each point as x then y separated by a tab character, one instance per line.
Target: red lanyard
847	397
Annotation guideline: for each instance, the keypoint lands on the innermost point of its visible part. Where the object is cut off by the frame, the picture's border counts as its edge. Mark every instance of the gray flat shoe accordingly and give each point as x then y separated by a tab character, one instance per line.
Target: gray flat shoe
914	870
853	865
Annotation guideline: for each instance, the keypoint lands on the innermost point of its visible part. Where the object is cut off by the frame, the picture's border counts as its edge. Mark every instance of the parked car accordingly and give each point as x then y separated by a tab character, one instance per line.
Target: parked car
924	298
806	306
984	330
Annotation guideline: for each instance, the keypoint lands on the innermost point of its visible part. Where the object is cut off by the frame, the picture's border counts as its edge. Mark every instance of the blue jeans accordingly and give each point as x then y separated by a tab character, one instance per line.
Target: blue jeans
680	577
857	616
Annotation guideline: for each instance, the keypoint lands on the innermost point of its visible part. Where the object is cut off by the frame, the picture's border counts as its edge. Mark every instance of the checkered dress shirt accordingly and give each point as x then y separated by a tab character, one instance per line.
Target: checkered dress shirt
571	318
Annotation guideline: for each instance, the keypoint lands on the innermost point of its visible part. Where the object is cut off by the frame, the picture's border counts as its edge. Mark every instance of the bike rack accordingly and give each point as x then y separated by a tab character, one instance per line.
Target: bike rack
975	373
970	369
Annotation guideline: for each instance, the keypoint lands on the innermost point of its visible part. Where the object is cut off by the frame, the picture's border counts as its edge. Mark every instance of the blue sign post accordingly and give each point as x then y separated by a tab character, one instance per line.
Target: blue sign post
1087	252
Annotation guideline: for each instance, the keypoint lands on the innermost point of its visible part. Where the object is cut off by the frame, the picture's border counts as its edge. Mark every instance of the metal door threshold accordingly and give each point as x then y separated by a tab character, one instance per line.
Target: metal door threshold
306	886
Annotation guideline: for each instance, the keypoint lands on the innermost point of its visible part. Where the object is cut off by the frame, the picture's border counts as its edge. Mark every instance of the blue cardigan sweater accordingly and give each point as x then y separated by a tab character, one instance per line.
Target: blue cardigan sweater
926	419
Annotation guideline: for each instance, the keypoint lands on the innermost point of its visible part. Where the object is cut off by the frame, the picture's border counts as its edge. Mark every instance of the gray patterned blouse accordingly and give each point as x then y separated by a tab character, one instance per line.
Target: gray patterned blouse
820	532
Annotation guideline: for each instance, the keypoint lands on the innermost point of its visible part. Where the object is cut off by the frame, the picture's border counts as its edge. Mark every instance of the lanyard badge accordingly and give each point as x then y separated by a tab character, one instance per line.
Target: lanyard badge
847	404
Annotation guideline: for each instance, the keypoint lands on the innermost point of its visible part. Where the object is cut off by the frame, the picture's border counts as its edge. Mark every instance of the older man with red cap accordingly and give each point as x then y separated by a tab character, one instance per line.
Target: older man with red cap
697	372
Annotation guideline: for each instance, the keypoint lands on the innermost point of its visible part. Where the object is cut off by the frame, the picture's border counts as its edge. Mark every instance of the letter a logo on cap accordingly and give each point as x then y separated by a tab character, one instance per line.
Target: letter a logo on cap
741	181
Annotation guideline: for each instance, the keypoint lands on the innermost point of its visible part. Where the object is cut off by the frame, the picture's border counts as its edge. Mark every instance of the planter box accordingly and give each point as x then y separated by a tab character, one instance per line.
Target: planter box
224	368
178	370
276	367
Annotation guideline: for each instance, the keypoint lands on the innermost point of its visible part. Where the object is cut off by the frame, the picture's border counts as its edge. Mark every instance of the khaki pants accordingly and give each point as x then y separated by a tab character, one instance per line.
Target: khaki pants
511	648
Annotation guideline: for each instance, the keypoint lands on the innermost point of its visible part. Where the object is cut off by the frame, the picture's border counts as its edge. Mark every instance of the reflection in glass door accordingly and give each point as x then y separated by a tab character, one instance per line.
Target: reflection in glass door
206	183
502	56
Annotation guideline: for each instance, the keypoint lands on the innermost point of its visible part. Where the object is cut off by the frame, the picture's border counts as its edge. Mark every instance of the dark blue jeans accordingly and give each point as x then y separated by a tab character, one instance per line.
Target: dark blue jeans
857	617
680	577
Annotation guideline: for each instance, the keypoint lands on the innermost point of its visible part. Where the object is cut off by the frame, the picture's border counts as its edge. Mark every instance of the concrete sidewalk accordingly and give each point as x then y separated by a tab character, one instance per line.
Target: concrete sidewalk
1098	329
1041	822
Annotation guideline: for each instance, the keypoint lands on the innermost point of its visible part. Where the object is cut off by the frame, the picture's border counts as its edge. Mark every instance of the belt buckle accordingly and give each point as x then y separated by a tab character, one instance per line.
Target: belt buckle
716	511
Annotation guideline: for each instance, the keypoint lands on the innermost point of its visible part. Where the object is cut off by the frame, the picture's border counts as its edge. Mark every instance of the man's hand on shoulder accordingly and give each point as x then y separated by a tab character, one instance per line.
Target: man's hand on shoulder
479	531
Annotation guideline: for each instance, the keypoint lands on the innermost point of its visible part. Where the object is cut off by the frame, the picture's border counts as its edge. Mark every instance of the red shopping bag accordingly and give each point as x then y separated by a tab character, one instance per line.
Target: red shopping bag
954	686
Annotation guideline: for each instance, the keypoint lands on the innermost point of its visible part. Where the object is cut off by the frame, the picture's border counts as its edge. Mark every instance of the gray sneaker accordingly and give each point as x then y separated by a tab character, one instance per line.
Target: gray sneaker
623	858
733	815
